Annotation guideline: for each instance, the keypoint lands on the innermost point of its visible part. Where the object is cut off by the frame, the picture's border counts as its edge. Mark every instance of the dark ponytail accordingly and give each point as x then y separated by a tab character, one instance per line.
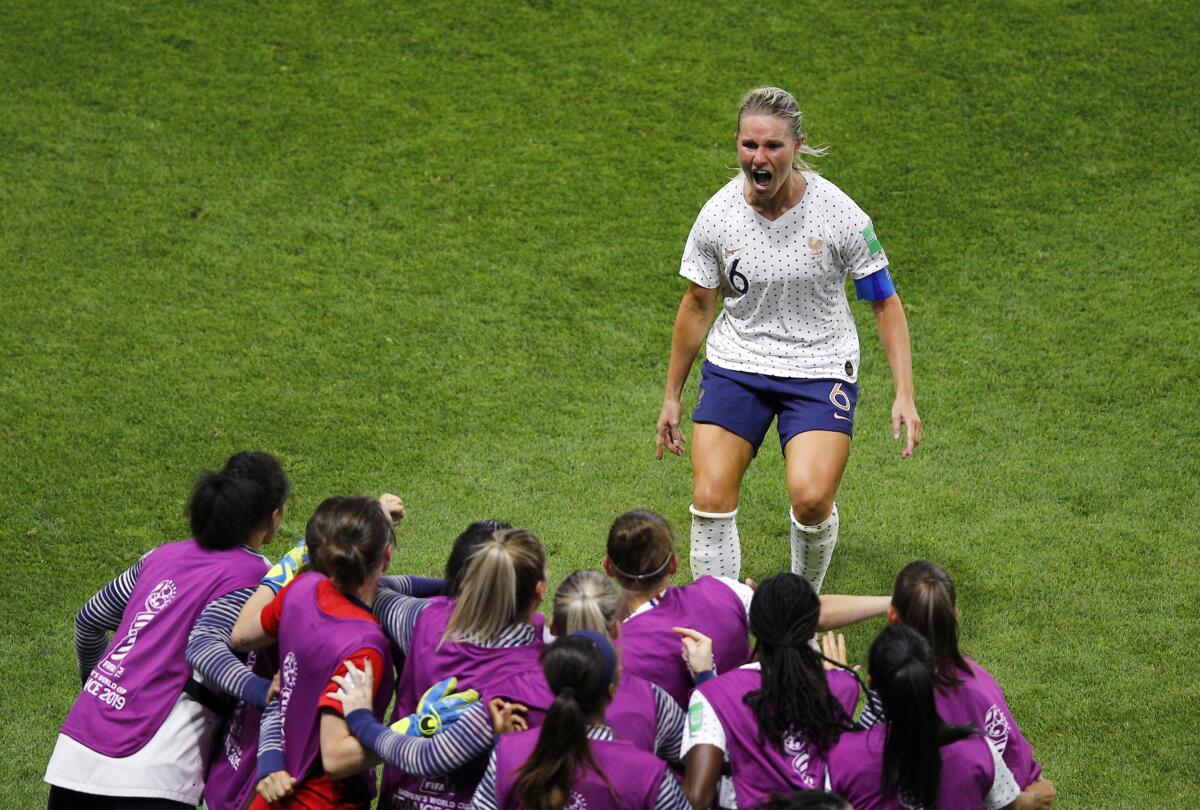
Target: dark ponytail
351	535
228	507
580	669
795	696
924	597
900	664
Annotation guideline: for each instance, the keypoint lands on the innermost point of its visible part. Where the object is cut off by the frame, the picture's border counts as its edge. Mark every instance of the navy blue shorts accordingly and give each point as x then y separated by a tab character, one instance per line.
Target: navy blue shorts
745	404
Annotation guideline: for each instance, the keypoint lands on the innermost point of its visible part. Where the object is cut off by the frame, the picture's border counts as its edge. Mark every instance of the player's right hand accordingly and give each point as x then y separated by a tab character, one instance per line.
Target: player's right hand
697	649
669	435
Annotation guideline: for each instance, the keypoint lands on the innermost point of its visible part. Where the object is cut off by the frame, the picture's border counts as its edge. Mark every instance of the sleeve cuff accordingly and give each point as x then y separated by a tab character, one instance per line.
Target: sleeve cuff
269	762
701	677
255	691
363	725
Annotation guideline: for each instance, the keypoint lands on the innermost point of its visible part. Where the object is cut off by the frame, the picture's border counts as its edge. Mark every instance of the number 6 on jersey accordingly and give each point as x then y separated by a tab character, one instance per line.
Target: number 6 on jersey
738	280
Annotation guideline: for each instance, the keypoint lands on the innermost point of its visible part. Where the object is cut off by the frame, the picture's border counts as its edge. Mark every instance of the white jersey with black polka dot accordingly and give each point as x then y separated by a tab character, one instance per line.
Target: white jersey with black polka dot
784	282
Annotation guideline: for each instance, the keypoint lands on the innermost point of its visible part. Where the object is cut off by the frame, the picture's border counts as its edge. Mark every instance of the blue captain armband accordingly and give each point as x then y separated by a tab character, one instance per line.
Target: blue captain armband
875	287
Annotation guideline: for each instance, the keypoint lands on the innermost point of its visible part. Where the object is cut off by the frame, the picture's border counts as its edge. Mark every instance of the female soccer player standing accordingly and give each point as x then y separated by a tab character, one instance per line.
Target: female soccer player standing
777	242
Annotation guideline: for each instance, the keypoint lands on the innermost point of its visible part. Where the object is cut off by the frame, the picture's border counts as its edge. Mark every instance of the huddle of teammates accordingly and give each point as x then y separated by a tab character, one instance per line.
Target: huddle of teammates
250	685
240	684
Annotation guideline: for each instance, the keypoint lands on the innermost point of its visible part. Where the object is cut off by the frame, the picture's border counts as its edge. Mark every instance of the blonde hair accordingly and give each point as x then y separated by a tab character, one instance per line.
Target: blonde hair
498	586
585	600
777	102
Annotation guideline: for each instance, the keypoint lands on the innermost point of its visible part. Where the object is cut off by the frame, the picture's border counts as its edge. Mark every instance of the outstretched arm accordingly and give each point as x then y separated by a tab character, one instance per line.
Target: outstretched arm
893	334
695	315
838	610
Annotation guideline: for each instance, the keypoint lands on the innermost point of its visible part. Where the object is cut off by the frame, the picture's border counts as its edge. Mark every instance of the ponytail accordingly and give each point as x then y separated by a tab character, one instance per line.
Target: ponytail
498	586
580	670
585	600
794	698
900	665
228	507
464	546
347	538
924	597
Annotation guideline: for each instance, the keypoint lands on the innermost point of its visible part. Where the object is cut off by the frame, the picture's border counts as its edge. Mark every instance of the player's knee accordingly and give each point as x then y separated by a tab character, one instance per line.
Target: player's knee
707	497
811	505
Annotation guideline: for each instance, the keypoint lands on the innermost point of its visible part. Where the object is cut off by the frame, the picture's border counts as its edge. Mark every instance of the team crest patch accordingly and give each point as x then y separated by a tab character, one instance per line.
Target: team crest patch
872	240
815	246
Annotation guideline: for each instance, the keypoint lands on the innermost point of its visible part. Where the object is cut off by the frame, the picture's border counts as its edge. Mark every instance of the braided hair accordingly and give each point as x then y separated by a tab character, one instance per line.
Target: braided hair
795	696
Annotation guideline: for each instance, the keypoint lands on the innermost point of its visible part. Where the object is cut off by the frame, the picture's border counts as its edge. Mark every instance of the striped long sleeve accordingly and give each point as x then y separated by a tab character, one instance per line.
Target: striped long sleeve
421	587
398	616
468	739
668	733
270	741
102	615
209	653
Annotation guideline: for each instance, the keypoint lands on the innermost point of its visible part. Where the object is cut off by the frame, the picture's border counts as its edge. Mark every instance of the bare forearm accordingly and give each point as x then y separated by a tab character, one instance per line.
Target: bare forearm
893	334
691	325
341	754
248	633
838	610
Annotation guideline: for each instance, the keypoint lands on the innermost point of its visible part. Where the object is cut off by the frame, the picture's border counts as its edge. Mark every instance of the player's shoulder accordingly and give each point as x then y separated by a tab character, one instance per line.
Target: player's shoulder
723	202
828	193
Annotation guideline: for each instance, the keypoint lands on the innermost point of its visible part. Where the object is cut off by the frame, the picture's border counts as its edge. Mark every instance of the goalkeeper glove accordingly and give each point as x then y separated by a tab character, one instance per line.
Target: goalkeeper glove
285	570
438	708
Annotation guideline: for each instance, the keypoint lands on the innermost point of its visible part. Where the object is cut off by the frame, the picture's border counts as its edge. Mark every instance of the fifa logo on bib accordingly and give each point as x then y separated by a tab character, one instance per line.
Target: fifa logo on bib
795	747
158	599
290	673
995	726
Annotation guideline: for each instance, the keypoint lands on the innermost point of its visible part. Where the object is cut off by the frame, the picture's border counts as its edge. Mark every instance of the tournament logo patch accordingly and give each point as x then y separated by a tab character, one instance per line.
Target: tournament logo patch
695	717
995	726
872	240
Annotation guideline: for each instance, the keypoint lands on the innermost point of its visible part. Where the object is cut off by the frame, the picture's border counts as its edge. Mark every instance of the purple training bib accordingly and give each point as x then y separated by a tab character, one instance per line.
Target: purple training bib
856	772
485	669
762	769
632	714
978	701
633	776
651	651
312	646
131	691
232	774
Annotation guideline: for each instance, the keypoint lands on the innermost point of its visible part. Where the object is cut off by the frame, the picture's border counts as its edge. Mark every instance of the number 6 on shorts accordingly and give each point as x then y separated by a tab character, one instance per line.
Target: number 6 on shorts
839	398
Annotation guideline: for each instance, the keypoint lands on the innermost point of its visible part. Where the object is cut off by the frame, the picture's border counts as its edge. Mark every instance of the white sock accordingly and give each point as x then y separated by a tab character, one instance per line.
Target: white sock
716	548
812	548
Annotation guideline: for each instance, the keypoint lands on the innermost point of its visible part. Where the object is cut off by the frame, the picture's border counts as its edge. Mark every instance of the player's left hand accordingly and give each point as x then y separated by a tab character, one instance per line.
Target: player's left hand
833	647
393	507
904	412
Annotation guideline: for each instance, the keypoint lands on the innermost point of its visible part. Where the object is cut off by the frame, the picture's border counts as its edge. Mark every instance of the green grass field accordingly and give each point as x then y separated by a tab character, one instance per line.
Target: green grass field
433	247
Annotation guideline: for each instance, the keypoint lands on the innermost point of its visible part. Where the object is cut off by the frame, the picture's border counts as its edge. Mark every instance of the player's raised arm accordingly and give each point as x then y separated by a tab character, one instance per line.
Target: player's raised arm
695	315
